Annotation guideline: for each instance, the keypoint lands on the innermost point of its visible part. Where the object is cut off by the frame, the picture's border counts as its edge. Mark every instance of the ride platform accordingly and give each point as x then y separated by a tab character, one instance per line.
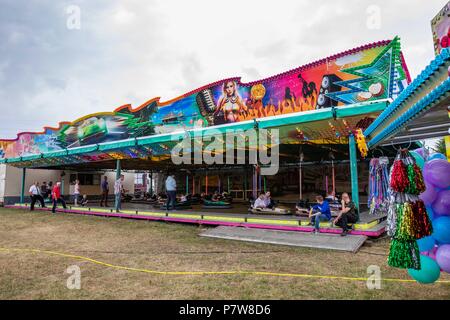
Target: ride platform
369	225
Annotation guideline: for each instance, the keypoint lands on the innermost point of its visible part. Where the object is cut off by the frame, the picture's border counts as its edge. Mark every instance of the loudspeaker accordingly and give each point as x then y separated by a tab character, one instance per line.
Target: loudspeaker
327	86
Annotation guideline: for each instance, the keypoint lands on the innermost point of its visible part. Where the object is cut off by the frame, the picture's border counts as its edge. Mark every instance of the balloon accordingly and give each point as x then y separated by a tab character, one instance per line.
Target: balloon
437	172
443	257
420	152
429	195
437	156
430	212
429	271
441	206
441	229
419	159
426	244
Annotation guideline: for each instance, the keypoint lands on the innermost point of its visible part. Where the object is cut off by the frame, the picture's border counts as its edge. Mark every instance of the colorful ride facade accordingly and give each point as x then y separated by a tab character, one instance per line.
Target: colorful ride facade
322	102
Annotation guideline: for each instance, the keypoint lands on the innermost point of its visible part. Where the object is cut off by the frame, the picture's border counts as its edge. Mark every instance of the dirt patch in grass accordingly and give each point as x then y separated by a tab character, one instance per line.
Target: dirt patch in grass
177	247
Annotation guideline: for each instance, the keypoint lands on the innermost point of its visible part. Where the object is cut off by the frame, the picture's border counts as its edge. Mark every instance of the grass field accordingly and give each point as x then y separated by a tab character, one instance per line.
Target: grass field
176	247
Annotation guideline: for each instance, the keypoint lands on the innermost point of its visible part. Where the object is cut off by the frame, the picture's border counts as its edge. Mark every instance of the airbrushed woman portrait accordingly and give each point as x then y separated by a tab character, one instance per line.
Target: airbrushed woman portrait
230	107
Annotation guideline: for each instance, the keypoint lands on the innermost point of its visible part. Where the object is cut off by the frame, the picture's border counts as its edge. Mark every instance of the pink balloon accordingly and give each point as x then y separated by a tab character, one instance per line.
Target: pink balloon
429	195
441	206
437	172
443	257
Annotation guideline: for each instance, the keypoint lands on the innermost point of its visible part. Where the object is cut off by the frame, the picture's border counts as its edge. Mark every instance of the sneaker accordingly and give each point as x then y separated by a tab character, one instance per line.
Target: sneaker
344	233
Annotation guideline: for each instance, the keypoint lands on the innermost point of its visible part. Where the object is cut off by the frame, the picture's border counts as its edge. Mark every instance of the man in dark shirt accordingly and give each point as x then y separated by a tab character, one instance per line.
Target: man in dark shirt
105	191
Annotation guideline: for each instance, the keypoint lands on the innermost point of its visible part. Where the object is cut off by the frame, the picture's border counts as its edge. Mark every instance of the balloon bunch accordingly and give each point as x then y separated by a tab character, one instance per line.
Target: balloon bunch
378	201
407	219
434	249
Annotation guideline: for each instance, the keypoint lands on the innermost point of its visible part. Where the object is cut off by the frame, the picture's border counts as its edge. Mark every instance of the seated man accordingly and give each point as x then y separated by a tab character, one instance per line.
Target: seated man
260	202
268	200
84	200
331	196
347	215
319	212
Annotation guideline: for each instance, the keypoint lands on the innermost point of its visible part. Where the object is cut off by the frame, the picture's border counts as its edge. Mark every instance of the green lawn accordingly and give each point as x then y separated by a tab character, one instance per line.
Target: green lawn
176	247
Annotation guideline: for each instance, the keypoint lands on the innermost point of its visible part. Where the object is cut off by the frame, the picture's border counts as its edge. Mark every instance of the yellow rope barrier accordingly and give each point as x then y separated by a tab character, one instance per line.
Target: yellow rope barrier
258	273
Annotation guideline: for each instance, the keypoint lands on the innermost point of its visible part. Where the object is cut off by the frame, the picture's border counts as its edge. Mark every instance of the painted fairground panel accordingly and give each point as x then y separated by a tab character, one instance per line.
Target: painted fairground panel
368	73
325	131
440	25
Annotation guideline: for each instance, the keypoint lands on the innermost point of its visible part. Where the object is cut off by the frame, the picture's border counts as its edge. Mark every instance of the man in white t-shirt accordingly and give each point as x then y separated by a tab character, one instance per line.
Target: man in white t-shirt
35	194
118	189
171	189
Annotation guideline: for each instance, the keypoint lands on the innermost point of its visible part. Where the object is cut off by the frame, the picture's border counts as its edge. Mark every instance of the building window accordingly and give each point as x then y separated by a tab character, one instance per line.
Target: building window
86	179
139	178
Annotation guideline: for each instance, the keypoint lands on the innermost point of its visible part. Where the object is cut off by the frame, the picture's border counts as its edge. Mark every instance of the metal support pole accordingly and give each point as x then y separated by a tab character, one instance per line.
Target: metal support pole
151	183
187	184
228	184
245	183
333	174
354	171
118	173
300	175
22	191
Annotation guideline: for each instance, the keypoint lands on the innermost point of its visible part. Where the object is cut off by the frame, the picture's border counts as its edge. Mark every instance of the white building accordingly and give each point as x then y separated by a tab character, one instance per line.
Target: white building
11	181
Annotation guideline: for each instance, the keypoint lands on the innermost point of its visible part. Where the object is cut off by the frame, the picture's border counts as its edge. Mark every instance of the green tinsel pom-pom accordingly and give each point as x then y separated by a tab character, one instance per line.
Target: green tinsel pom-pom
404	254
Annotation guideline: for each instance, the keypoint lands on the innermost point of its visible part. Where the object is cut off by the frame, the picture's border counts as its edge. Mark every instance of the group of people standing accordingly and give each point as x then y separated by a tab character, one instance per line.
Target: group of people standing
40	193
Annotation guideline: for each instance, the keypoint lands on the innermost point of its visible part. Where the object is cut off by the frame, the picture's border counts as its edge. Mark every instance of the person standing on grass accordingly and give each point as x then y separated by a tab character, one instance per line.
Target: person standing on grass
171	189
56	197
76	192
105	191
319	212
347	215
35	194
118	189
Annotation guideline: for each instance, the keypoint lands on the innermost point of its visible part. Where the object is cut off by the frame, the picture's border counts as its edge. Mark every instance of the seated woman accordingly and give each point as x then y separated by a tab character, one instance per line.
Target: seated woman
347	215
319	212
260	202
183	198
215	196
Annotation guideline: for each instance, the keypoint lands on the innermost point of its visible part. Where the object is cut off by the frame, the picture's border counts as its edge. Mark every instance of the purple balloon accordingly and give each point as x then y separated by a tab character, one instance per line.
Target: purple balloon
437	172
443	257
420	151
429	195
441	206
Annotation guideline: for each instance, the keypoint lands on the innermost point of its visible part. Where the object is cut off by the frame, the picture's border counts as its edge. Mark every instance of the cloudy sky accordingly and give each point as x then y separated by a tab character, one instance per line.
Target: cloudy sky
130	51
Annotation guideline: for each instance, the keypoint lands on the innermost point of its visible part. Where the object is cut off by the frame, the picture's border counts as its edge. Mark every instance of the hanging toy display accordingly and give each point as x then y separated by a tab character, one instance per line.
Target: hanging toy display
378	201
361	142
407	219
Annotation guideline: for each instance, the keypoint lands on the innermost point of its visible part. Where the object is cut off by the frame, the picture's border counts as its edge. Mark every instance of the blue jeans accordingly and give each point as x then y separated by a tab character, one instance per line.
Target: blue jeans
171	199
118	198
316	220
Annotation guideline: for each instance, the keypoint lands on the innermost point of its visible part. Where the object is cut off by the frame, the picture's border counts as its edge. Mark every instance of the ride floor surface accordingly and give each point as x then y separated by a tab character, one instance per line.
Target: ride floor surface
237	216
